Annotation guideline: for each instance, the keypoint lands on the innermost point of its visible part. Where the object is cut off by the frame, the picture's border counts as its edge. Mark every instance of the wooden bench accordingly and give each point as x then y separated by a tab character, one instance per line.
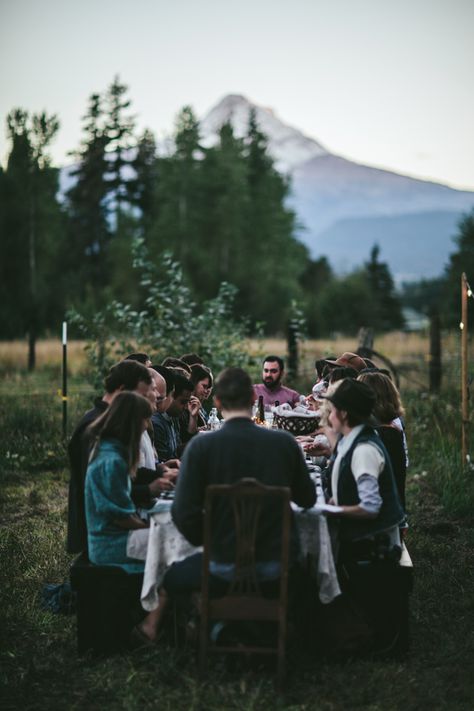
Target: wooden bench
106	599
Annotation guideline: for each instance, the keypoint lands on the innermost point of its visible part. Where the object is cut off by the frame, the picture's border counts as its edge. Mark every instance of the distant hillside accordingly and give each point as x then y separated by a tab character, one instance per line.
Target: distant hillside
413	245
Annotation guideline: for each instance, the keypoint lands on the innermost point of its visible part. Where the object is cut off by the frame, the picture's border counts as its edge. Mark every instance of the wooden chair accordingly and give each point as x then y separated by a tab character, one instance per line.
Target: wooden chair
244	599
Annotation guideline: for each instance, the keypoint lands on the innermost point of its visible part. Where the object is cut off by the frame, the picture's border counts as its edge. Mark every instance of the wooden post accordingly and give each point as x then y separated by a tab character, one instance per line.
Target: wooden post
292	350
435	352
64	396
366	338
464	384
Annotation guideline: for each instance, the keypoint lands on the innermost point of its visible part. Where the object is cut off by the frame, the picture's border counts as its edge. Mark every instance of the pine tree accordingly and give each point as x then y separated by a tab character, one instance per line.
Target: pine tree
87	205
30	228
387	313
462	260
222	223
119	131
177	195
275	259
316	276
142	186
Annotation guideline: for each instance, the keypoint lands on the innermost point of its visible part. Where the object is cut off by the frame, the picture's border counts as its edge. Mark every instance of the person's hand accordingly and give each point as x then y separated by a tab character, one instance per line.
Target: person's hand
170	474
160	484
194	405
319	447
172	463
317	450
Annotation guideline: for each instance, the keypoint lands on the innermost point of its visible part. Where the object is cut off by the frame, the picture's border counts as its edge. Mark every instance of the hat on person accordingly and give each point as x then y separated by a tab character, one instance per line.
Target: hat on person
349	360
354	397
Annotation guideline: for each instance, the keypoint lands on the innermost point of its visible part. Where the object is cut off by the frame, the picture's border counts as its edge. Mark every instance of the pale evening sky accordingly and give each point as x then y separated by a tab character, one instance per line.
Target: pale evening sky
385	83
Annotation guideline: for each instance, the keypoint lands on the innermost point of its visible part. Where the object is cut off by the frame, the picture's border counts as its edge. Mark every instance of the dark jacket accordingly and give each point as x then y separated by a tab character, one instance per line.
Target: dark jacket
78	451
392	438
391	512
239	449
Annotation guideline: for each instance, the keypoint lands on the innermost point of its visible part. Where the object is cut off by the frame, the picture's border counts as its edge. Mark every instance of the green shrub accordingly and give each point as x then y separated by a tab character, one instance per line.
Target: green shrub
171	323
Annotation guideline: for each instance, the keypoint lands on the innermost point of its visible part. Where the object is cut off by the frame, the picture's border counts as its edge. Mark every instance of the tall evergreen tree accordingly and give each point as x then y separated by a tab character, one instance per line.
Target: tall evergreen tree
87	205
31	227
461	260
120	141
387	312
275	258
177	194
142	186
219	254
317	275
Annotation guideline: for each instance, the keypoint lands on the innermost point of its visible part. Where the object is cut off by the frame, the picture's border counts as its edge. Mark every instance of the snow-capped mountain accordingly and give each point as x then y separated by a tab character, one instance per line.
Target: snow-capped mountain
345	207
288	146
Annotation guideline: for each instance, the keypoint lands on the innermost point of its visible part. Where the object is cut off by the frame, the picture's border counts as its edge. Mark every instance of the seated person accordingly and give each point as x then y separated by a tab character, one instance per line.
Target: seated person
362	484
110	511
177	364
126	375
388	411
154	476
239	449
166	426
201	378
272	389
191	359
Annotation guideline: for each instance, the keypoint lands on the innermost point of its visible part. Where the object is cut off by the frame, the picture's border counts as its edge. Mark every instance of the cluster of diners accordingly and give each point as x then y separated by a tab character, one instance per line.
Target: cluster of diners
147	439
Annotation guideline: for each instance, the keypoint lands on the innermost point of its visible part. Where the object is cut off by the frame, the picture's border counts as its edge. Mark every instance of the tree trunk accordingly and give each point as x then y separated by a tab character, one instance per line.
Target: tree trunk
31	350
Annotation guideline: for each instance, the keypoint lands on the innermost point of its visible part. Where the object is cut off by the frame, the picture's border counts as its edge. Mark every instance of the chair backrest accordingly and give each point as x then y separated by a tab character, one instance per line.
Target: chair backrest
247	500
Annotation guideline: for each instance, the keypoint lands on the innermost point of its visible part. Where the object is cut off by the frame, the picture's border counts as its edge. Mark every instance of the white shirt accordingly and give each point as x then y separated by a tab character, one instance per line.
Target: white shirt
147	452
367	459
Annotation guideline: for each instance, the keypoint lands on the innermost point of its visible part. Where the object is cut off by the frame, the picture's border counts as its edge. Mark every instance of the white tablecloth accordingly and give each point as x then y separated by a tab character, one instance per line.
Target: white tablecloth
162	544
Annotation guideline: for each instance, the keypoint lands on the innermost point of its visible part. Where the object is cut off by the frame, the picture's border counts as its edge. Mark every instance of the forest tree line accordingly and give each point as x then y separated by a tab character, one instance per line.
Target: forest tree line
221	212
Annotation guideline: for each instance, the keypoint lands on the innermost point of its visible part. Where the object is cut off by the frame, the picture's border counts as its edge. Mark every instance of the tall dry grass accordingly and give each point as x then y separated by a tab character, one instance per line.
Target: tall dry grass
409	352
14	355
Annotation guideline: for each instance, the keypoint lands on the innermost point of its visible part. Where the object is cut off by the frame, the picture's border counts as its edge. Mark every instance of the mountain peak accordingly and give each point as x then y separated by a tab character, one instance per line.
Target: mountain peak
288	146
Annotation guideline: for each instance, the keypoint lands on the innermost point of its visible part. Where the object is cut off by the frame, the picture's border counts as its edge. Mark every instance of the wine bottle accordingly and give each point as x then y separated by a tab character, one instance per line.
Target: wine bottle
260	415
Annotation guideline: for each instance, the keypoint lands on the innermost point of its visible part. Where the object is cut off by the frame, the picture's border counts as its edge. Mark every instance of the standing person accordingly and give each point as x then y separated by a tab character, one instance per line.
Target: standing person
388	411
272	389
361	483
239	449
110	511
126	375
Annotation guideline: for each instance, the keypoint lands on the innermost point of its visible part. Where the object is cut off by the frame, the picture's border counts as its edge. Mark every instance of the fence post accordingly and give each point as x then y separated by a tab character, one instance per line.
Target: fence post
464	383
366	339
64	395
292	350
435	369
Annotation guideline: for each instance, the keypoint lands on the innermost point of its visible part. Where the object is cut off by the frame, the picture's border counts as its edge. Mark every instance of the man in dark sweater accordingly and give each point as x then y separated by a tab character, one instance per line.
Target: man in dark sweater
239	449
126	375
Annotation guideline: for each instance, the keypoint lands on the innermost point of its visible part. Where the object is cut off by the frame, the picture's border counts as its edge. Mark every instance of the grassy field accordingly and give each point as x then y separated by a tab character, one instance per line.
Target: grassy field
39	665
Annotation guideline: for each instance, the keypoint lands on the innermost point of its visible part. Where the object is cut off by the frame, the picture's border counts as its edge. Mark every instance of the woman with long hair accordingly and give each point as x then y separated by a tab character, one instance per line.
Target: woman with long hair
388	412
110	511
201	378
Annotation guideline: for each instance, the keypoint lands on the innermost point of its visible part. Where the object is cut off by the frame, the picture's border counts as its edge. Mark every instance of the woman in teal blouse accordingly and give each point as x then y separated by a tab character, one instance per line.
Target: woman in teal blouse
110	511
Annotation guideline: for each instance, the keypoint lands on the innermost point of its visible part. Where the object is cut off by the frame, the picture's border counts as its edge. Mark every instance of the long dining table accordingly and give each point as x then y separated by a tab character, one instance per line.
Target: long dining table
162	545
